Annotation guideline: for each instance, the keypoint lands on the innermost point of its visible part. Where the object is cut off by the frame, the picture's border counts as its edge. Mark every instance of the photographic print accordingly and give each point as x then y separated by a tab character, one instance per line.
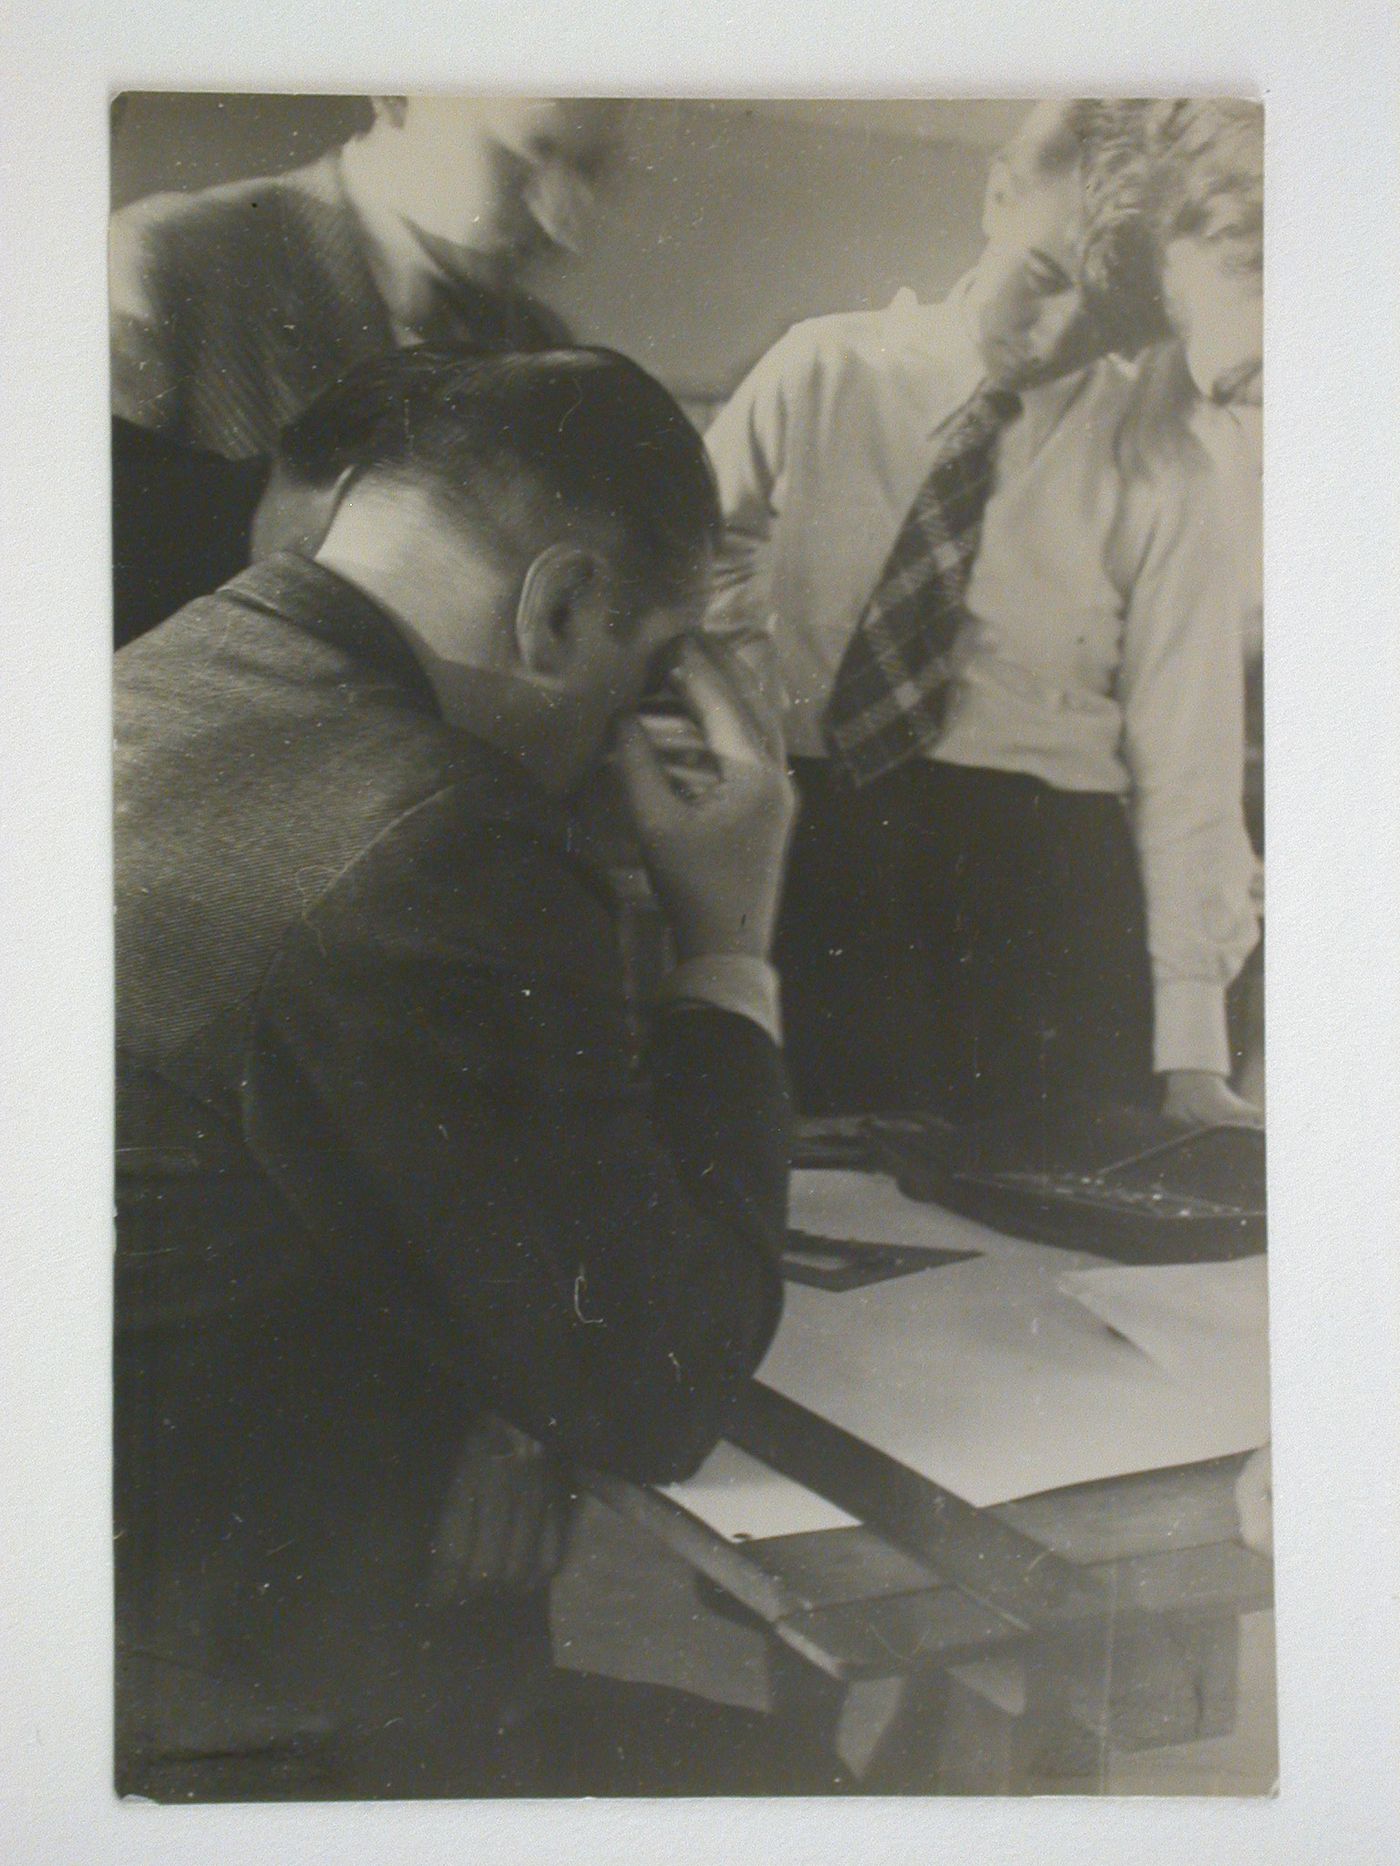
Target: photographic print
690	1155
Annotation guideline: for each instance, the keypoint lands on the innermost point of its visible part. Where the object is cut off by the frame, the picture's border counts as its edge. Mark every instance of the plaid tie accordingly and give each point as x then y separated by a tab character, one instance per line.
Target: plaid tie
888	699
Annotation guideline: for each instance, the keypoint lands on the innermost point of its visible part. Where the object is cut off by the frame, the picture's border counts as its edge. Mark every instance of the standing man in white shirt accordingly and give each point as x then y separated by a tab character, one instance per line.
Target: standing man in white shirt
1021	875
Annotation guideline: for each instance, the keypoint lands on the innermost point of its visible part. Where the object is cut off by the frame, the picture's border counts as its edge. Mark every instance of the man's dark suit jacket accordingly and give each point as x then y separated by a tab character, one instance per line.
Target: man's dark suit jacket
386	1159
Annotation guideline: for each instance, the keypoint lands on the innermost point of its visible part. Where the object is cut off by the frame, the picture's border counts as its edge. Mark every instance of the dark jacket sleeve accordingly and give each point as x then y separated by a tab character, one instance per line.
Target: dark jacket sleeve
440	1079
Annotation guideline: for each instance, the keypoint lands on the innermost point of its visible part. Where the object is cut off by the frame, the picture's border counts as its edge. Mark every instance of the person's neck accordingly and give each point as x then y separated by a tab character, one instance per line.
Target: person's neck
452	607
407	260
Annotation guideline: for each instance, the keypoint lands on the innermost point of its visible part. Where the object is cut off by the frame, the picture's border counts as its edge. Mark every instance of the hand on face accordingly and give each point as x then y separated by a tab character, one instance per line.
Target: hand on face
716	855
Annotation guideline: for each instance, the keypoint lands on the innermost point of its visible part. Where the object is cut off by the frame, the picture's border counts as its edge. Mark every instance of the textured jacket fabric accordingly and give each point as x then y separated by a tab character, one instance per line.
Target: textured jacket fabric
386	1156
232	308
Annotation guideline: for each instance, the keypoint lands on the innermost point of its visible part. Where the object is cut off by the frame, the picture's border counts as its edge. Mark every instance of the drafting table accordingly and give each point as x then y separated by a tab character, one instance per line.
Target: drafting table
946	1638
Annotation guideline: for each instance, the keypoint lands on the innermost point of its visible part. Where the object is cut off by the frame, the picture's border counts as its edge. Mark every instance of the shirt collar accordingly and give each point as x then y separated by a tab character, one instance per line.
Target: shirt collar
946	331
1232	434
951	332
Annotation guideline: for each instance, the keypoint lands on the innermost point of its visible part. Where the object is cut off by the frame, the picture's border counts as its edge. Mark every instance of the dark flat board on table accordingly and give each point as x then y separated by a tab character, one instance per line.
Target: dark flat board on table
1122	1183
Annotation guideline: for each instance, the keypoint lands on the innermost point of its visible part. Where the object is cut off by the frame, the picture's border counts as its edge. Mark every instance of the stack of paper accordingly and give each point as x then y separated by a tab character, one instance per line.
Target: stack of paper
1023	1370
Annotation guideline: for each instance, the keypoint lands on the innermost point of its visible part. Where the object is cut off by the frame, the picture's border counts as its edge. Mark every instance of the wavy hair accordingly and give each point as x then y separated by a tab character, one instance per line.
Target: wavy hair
1201	178
1208	167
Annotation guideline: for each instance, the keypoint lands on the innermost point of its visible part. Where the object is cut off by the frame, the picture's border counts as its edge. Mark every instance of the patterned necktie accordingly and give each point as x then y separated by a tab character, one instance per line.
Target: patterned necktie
888	700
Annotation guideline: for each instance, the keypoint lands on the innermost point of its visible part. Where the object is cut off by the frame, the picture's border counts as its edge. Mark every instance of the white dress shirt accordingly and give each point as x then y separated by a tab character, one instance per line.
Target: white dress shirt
1233	438
1105	649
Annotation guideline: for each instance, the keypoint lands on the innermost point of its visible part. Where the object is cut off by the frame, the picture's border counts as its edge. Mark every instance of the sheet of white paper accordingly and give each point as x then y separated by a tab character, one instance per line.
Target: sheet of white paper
741	1497
987	1376
1018	1371
1194	1320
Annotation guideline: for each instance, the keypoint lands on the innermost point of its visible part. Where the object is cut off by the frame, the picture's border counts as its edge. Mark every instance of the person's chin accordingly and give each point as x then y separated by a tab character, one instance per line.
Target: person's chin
1006	367
474	260
1010	366
1241	387
1038	372
1015	372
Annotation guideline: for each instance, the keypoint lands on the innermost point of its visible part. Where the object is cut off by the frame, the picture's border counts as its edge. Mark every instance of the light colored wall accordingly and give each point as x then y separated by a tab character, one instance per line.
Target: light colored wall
726	223
192	139
729	225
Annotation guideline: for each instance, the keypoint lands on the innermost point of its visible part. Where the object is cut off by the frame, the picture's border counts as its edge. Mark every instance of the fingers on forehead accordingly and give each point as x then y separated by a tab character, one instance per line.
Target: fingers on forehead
712	691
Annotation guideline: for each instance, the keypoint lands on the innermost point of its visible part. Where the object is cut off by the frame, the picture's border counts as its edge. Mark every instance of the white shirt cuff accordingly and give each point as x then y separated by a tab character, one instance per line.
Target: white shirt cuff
1190	1028
730	981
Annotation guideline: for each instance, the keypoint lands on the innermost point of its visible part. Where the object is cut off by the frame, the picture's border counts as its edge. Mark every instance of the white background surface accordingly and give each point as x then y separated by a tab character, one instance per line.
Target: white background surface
1328	72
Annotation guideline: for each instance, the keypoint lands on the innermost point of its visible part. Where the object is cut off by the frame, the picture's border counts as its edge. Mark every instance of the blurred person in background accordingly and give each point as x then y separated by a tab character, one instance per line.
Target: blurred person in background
233	307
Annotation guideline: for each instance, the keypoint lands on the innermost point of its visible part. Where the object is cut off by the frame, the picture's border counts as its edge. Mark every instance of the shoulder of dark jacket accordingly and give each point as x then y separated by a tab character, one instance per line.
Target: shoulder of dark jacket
485	872
233	221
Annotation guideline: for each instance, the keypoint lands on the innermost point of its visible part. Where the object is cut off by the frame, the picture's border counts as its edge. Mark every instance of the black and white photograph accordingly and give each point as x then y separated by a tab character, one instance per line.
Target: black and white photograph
680	1180
689	848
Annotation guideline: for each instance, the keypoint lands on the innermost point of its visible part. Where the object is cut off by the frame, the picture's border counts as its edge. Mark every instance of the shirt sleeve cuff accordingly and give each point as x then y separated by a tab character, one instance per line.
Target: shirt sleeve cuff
1190	1027
727	982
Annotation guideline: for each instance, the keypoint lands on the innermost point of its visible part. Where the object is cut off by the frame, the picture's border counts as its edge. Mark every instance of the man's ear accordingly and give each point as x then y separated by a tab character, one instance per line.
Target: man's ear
561	606
390	110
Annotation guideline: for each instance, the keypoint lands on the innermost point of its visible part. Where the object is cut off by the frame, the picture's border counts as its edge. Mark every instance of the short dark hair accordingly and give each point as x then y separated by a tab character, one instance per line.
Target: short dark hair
586	434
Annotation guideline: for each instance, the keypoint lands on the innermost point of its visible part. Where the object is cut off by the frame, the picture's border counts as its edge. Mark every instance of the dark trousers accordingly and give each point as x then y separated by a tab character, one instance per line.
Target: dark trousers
280	1472
964	941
